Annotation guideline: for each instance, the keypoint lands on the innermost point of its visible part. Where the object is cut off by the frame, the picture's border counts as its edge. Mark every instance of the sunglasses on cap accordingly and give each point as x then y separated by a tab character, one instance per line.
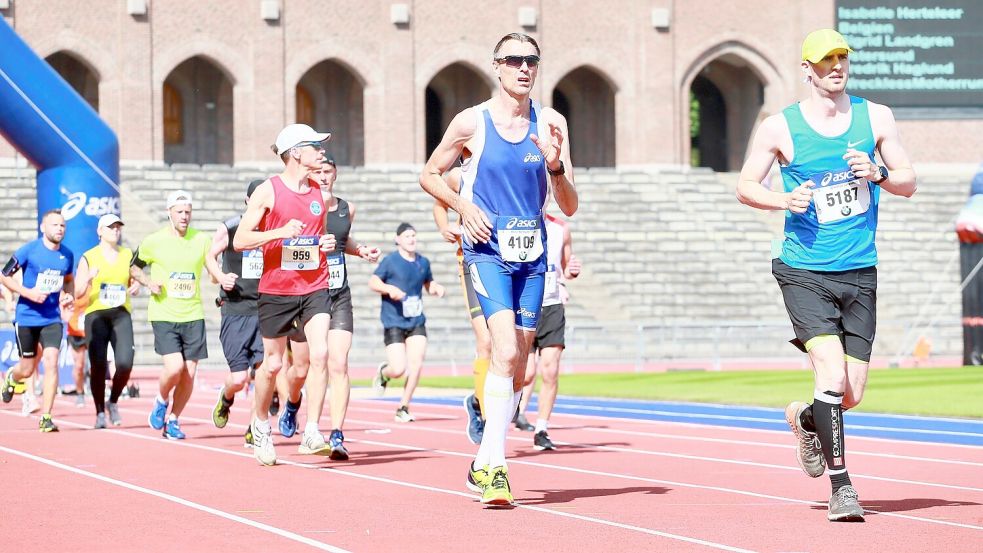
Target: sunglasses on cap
516	61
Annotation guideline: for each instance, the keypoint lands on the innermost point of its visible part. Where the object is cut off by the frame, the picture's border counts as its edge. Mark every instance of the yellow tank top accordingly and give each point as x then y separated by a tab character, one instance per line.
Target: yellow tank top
108	288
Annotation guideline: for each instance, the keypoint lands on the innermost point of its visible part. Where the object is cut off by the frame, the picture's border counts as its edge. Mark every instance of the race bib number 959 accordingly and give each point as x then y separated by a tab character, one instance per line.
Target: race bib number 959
300	254
839	195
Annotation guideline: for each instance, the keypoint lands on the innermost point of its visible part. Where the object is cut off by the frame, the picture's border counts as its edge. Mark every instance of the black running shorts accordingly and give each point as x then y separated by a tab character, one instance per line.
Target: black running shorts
396	335
550	328
28	338
241	341
342	317
187	339
280	315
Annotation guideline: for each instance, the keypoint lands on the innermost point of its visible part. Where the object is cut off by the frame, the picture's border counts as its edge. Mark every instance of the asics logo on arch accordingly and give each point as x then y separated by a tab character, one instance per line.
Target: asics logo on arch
516	222
533	158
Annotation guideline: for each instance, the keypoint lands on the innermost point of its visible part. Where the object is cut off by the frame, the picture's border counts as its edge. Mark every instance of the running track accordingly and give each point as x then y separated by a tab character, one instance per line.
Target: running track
629	476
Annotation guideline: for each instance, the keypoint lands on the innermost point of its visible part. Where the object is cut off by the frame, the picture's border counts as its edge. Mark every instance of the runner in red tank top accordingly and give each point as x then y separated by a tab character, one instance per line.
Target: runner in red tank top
285	216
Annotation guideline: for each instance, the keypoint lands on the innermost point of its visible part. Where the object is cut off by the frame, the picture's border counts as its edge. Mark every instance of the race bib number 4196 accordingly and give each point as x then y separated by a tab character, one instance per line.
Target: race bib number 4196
519	238
839	195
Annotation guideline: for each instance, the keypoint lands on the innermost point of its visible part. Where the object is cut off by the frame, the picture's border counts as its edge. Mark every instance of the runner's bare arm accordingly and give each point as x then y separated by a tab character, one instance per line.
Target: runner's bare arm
17	285
220	241
765	149
568	261
378	286
564	191
84	278
901	179
434	288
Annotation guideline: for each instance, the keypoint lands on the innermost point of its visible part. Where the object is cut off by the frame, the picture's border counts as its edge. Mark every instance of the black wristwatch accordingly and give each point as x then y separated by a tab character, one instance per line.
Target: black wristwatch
558	172
882	171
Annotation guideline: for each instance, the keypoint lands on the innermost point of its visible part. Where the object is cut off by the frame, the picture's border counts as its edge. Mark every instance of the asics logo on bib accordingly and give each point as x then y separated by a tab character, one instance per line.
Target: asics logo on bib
302	241
532	158
836	178
515	222
94	207
523	312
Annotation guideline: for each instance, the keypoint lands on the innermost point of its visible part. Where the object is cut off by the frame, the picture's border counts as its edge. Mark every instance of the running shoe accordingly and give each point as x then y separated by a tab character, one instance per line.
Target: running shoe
172	430
7	392
379	382
497	492
522	423
476	425
541	441
114	417
808	452
313	444
157	415
403	414
29	404
337	443
275	404
263	448
220	414
248	438
844	506
288	422
79	401
100	421
477	478
46	424
20	388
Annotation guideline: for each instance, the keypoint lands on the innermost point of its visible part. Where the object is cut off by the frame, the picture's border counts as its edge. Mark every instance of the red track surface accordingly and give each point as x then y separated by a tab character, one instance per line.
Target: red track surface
618	484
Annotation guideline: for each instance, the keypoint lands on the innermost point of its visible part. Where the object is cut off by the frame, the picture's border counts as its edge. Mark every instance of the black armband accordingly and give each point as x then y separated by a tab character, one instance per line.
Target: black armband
136	261
11	268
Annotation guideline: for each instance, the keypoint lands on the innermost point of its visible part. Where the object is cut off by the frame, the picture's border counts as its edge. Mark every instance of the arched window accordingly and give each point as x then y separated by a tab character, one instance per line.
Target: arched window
173	116
329	98
197	102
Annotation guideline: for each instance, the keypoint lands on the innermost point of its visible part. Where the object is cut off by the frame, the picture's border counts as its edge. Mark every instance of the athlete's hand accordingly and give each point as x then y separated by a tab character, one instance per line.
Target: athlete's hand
292	229
134	289
798	200
860	163
36	295
550	147
67	301
451	233
228	281
328	243
573	266
154	287
369	254
395	293
436	289
474	223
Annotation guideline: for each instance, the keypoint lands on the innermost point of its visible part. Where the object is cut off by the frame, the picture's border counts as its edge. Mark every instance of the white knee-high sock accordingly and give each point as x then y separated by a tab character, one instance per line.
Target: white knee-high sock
498	408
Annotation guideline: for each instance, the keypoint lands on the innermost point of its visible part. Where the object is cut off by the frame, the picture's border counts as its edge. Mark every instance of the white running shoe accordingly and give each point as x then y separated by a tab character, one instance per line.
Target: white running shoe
29	404
263	448
313	444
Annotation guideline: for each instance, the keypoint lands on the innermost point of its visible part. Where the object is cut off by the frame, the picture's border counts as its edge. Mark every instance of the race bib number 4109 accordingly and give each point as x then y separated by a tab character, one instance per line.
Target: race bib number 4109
519	238
839	195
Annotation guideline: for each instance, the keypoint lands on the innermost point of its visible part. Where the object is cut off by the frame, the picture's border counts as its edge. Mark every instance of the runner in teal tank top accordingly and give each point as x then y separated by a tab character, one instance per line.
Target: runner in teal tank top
826	147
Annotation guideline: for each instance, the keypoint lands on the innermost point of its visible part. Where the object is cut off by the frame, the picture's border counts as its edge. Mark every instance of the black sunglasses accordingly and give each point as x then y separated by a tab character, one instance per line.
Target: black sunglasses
315	145
516	61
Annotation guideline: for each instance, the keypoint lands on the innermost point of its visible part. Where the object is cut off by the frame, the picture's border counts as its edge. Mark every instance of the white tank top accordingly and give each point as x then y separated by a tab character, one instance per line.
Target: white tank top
554	257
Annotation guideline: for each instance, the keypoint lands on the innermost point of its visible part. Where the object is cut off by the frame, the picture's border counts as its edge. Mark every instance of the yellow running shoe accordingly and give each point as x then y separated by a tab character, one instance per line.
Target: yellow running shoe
497	492
477	478
19	387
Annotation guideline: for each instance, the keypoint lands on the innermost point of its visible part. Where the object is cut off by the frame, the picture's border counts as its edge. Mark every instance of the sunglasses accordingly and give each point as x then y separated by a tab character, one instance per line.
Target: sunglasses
315	145
516	61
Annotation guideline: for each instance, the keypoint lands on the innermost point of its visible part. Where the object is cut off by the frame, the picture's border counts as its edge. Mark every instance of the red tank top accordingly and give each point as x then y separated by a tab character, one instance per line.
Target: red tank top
294	266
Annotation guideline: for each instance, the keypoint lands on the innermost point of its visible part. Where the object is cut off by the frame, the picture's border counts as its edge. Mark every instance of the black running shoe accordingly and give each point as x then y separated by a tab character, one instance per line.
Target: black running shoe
522	423
275	405
541	441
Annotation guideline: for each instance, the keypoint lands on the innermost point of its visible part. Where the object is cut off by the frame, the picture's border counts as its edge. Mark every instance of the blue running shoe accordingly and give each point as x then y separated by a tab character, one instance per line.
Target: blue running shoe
173	430
476	425
337	444
288	421
157	416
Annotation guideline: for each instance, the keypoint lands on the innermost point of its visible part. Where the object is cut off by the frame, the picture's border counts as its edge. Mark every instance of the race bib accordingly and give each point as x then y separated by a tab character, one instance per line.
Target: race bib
300	254
336	271
181	285
839	195
551	290
112	295
519	239
48	283
252	264
412	306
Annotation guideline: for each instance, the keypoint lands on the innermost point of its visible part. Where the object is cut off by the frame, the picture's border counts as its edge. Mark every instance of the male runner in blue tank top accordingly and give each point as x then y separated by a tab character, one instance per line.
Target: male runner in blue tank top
519	154
827	271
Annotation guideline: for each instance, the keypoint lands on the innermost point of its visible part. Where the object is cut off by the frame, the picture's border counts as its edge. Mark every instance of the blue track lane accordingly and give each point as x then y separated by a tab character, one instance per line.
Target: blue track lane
896	427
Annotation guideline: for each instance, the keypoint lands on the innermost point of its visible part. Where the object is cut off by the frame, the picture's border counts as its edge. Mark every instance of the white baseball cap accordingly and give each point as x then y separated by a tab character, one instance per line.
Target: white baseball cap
109	220
179	197
298	133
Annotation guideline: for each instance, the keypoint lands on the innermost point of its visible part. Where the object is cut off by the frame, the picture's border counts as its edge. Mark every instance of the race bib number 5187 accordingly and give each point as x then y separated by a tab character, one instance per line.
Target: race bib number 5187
839	195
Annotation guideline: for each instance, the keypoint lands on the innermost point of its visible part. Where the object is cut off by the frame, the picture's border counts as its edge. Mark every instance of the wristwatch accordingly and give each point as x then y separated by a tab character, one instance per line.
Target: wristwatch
558	172
882	172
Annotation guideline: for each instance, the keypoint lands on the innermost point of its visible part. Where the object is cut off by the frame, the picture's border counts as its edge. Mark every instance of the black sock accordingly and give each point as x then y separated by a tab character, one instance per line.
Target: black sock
293	406
827	414
227	401
805	418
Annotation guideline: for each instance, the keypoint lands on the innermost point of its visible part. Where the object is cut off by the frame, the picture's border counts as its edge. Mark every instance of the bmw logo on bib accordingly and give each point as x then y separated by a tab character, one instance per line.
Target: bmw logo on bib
315	208
846	210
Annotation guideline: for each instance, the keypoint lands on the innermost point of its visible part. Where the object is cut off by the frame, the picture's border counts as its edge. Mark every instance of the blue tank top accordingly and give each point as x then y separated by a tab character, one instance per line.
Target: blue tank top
508	181
837	231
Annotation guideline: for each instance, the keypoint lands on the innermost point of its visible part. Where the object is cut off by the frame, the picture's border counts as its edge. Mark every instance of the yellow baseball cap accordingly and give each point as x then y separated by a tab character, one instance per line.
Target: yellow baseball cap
819	43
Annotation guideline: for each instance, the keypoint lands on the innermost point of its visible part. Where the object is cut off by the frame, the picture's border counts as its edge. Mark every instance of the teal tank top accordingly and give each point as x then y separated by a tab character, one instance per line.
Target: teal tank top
837	231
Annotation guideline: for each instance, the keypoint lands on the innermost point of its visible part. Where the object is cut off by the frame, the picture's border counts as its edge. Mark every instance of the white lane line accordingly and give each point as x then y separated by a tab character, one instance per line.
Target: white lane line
174	499
569	469
332	470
